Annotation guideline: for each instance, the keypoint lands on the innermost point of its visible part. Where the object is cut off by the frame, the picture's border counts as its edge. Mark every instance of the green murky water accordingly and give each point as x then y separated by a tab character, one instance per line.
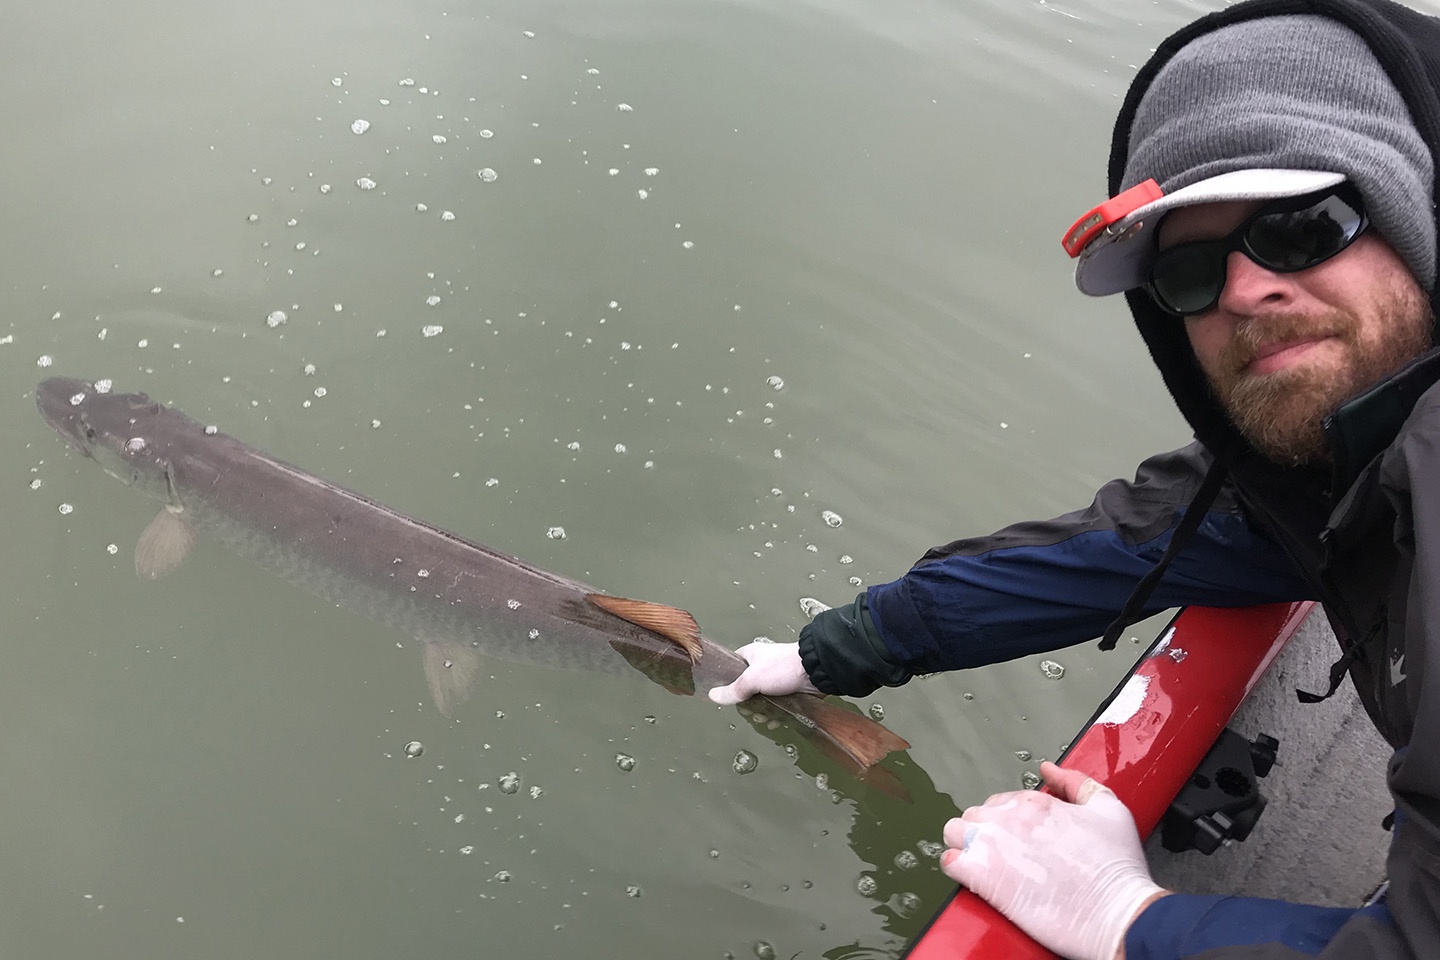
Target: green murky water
678	278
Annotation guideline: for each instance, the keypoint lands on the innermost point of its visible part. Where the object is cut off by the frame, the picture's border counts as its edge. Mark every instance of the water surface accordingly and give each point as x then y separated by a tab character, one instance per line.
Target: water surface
675	277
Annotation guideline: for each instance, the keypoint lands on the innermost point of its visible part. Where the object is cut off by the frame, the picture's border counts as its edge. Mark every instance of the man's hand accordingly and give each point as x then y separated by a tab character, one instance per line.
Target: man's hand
1067	869
774	668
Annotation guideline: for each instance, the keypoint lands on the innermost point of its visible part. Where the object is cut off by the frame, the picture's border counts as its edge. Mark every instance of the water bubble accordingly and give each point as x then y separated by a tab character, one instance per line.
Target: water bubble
407	82
1051	669
907	903
488	175
930	848
867	885
651	171
431	330
252	218
78	399
308	370
432	300
846	559
103	386
625	762
447	215
365	183
969	696
35	484
467	850
503	876
877	712
763	950
831	518
649	718
534	634
619	448
414	748
276	318
573	445
321	391
510	783
359	127
624	107
1024	756
324	188
812	607
1029	780
438	138
536	793
513	604
556	533
486	134
745	762
44	360
66	508
421	208
633	891
135	445
336	81
714	854
776	383
906	860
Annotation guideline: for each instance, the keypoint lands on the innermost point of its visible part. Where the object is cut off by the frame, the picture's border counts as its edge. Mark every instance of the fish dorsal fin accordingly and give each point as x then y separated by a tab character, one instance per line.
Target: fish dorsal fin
163	544
671	623
450	669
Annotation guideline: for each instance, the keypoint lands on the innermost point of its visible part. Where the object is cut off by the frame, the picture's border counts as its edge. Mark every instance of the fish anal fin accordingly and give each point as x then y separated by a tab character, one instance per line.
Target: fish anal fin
450	668
671	623
163	544
861	740
671	673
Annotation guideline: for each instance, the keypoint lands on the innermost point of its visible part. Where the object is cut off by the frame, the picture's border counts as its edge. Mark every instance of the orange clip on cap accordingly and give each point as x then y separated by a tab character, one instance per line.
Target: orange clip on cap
1082	231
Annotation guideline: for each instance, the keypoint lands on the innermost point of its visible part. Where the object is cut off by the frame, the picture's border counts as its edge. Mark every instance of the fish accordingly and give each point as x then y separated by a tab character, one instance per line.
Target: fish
461	600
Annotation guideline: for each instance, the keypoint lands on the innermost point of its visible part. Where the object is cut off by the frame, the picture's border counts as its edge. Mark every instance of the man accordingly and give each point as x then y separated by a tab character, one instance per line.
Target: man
1273	228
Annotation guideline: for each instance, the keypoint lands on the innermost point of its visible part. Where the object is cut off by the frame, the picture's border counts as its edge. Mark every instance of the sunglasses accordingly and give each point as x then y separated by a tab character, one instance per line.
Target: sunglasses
1285	236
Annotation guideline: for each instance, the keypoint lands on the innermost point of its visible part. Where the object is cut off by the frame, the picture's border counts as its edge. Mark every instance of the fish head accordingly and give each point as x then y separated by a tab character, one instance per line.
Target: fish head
128	434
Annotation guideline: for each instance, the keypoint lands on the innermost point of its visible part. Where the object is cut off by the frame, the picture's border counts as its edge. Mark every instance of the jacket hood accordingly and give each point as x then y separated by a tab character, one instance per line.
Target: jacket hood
1407	45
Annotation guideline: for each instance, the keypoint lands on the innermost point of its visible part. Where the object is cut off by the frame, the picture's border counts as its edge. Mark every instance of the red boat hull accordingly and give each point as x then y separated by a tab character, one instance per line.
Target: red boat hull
1143	743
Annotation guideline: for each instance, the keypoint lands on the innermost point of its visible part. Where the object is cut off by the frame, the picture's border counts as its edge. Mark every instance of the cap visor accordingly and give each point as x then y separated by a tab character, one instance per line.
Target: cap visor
1119	258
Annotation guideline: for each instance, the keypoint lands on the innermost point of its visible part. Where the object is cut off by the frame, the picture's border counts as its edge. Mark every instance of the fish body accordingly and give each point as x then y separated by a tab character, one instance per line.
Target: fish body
460	599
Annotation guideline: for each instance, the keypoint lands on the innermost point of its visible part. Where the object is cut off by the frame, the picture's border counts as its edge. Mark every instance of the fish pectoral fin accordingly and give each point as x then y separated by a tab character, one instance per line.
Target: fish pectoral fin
163	544
671	623
450	668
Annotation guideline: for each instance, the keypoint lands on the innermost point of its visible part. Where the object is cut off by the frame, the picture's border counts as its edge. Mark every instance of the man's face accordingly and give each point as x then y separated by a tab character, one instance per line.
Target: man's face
1282	350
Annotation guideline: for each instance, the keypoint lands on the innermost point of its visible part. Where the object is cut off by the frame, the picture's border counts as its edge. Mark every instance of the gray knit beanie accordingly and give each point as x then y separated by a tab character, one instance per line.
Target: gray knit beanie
1297	92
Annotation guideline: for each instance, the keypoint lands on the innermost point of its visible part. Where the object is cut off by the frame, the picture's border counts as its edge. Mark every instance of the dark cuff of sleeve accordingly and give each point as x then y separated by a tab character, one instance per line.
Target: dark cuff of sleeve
1181	925
843	654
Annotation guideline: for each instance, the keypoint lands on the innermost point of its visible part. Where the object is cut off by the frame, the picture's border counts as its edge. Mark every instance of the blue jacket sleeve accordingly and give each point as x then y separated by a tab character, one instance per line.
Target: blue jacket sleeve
1038	586
1180	926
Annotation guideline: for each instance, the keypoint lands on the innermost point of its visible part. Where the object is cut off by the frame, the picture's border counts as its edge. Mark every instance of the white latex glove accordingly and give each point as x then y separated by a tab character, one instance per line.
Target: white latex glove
774	668
1067	869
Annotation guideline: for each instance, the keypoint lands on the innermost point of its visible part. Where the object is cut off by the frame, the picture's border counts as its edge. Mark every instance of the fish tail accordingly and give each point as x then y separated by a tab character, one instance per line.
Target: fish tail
854	737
